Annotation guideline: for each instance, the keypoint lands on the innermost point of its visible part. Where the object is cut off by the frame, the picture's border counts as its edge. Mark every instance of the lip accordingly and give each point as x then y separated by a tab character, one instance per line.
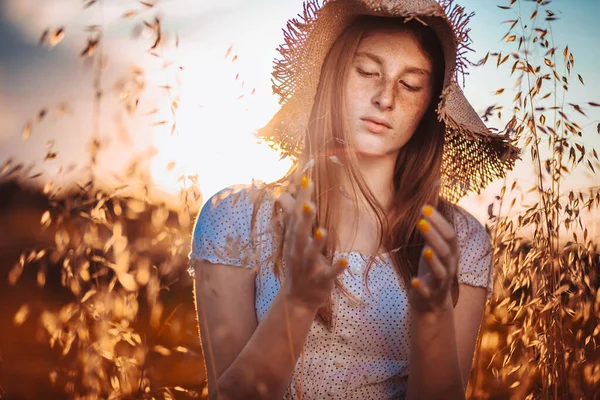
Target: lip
376	125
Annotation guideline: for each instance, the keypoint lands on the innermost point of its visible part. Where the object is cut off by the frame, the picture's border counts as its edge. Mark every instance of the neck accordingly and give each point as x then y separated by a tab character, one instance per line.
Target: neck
377	173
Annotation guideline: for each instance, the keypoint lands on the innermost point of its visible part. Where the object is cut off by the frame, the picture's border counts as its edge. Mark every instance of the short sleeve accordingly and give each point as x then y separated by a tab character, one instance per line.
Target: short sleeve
222	230
475	262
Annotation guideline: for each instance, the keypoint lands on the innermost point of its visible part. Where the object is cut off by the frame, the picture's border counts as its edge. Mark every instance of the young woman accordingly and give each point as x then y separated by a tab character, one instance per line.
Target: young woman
355	276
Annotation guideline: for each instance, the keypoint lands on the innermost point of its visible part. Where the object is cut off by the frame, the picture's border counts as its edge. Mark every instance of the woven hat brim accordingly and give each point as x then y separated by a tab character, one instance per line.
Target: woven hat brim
473	155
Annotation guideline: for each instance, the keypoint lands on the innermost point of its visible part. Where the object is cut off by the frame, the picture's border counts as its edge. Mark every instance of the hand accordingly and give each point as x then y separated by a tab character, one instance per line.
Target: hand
309	277
430	291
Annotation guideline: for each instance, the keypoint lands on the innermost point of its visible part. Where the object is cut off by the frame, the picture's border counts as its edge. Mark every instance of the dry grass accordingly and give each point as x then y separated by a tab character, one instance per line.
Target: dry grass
112	269
540	336
541	330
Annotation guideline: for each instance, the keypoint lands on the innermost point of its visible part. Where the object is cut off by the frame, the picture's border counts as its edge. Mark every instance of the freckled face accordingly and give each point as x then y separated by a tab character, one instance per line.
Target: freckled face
388	89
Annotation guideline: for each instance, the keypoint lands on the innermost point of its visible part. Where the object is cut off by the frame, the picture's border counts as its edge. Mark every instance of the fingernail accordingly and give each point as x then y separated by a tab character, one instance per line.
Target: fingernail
423	225
304	182
307	208
278	191
318	234
415	282
343	263
428	210
428	254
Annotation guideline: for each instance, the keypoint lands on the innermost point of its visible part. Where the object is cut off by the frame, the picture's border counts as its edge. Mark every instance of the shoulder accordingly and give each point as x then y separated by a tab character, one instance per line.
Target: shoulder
236	201
224	229
467	227
475	266
474	242
233	209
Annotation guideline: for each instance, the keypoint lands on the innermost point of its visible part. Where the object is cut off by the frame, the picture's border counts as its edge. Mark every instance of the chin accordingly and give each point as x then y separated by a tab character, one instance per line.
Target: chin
367	148
372	152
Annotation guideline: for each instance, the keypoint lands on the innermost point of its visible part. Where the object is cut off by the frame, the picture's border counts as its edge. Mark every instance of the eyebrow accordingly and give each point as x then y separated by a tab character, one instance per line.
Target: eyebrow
378	60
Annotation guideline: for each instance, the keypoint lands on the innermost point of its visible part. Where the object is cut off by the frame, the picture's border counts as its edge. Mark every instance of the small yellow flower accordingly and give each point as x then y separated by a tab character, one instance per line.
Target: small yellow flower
305	181
428	254
318	234
428	210
423	225
307	208
343	262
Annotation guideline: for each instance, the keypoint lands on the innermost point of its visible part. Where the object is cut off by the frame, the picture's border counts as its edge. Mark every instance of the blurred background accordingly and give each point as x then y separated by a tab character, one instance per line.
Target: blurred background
219	75
152	105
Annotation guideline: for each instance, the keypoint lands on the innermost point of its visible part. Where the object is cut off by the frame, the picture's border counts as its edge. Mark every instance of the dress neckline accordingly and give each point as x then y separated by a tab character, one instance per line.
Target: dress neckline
363	255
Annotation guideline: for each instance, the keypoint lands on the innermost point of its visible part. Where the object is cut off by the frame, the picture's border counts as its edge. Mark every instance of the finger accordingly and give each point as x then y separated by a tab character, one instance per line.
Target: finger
304	193
438	270
304	214
286	202
302	227
316	246
444	227
419	285
436	242
337	268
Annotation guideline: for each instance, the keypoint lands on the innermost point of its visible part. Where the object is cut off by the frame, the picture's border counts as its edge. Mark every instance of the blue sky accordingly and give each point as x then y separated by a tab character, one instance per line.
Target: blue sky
215	127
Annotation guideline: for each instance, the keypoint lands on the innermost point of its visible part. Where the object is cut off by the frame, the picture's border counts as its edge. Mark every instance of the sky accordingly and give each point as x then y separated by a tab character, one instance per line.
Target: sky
222	90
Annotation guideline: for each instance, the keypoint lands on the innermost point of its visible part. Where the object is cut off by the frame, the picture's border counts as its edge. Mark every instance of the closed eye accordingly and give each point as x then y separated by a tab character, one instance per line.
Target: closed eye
410	88
365	73
373	74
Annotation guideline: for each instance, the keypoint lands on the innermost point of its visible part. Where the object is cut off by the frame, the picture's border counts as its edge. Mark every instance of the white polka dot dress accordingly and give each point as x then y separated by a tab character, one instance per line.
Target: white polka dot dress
366	353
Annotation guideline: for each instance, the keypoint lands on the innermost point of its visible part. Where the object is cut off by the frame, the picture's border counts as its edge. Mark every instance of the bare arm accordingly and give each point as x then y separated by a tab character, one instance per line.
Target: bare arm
468	315
442	337
442	347
250	360
246	360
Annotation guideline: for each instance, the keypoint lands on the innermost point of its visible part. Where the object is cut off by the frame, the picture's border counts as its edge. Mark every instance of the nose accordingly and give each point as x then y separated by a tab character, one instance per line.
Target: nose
385	95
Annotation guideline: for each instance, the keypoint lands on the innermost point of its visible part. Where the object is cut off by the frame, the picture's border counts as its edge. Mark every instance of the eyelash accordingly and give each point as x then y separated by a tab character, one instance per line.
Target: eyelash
368	74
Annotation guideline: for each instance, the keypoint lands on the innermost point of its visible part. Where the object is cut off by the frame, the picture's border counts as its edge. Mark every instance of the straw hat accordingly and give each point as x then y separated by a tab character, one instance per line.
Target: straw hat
473	155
